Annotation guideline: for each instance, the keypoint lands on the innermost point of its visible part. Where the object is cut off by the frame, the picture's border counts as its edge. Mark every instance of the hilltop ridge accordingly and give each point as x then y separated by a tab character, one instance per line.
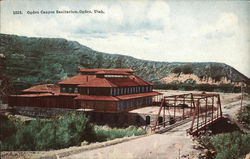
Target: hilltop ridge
28	61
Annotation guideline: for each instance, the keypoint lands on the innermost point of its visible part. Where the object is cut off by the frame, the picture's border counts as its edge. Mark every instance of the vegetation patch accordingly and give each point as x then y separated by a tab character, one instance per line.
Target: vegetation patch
104	133
227	146
226	88
183	69
244	116
230	145
60	132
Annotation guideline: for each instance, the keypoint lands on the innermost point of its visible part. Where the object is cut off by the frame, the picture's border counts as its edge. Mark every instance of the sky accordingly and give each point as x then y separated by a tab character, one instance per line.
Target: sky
171	31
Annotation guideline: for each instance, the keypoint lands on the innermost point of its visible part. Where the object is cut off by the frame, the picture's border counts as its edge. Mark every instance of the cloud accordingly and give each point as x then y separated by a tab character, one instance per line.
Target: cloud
226	26
158	13
118	17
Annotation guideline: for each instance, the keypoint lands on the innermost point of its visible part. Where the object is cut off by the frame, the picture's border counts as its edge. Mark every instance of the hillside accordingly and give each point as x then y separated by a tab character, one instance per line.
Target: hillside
28	61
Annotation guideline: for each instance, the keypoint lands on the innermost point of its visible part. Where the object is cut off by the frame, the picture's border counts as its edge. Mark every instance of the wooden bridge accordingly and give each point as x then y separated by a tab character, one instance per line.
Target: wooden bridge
202	109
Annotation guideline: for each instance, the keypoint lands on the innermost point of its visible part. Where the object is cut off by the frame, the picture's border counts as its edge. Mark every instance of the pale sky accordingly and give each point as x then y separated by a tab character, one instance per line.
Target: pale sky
171	31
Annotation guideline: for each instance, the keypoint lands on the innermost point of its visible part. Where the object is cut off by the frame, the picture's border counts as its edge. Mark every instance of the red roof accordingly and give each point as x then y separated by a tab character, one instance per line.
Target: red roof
107	70
101	98
92	80
45	94
116	98
139	80
78	79
124	82
112	73
139	95
68	94
45	88
116	82
98	82
32	95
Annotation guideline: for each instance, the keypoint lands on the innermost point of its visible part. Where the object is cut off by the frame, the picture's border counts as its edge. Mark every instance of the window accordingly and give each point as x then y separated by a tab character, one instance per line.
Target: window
151	88
115	76
118	91
63	90
70	90
76	90
111	91
120	106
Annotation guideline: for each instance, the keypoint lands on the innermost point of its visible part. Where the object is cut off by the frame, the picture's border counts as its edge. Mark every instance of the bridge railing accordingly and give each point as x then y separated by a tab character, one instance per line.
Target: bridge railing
202	108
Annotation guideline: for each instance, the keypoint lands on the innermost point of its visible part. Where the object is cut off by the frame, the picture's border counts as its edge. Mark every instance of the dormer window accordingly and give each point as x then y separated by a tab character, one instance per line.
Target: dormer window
70	90
76	90
115	76
63	90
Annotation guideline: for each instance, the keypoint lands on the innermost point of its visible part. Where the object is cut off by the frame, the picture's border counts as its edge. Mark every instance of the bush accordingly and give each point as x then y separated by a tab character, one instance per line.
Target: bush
176	70
191	85
104	133
184	69
187	70
64	131
72	129
68	130
231	145
244	116
7	127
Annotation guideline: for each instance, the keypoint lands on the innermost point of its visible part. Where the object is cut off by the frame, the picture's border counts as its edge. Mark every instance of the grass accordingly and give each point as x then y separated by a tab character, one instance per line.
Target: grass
104	133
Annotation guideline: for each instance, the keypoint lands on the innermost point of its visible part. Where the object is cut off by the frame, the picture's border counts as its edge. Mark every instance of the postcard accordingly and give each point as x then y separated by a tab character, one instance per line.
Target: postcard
125	79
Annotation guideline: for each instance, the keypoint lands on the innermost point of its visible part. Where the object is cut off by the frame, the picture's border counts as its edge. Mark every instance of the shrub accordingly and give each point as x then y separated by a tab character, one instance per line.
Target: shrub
226	88
104	133
68	130
46	137
72	129
184	69
187	70
7	127
205	87
61	132
244	116
231	145
176	70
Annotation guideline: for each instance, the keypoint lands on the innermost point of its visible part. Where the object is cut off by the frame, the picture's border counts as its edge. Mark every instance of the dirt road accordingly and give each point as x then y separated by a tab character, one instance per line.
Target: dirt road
157	146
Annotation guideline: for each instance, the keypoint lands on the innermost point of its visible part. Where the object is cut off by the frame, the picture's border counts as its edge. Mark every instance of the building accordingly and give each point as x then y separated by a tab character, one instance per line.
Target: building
99	90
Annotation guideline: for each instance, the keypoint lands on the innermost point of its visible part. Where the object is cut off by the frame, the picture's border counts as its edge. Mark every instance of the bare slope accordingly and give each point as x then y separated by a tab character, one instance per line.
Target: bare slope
29	61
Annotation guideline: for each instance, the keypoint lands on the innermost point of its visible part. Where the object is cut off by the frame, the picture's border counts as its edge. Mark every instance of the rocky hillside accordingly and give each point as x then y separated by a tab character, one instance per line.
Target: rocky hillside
28	61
